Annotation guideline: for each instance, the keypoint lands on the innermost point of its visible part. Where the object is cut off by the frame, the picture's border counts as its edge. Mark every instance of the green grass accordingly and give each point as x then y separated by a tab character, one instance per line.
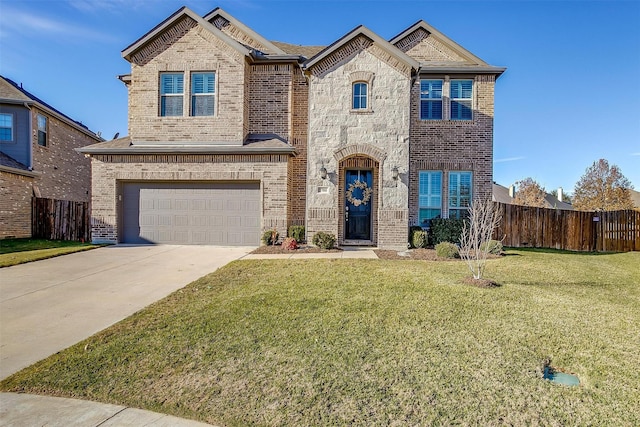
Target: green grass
19	251
370	342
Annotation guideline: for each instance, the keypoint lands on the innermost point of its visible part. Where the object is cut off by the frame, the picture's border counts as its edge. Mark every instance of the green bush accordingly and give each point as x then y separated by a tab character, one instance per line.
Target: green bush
419	239
297	232
447	250
445	230
493	247
270	237
412	230
324	240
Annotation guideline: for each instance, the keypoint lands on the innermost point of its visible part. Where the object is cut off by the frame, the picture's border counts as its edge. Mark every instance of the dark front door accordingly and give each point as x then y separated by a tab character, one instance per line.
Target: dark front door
358	200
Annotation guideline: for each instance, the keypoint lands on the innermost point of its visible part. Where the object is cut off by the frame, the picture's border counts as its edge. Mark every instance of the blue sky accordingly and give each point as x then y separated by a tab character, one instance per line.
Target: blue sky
570	95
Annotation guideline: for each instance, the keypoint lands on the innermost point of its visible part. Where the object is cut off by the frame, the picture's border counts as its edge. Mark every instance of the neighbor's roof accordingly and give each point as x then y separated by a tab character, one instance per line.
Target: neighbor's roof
254	144
501	195
13	93
296	49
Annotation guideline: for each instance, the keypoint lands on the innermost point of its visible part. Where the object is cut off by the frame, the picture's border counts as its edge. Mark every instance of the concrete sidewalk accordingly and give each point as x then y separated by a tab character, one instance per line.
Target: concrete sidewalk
27	410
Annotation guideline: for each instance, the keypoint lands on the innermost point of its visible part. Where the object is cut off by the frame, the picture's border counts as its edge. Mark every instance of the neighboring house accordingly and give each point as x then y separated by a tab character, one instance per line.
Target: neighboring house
635	197
231	134
38	157
507	196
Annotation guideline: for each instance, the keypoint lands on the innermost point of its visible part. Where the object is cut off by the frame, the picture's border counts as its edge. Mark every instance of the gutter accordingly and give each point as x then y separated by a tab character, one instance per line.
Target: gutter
188	150
22	172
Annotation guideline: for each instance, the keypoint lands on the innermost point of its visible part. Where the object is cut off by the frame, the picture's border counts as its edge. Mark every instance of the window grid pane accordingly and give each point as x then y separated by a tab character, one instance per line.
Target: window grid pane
6	127
461	93
430	196
431	99
171	90
359	96
460	193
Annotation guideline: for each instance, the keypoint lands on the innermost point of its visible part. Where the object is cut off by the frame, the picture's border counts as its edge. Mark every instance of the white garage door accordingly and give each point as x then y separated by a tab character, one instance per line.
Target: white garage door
191	213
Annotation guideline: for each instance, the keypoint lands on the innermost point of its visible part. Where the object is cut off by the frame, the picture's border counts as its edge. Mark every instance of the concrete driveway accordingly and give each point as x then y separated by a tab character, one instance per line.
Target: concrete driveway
49	305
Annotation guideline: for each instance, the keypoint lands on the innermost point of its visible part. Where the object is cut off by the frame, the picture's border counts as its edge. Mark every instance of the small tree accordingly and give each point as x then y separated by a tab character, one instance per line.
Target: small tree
530	193
476	234
602	188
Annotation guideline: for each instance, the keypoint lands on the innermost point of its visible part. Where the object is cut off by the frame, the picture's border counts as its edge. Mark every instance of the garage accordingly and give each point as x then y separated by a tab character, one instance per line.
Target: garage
191	213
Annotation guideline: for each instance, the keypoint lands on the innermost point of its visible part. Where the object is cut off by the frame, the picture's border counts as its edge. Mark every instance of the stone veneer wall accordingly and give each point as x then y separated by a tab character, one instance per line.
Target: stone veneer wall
452	145
381	133
15	205
65	173
109	171
193	49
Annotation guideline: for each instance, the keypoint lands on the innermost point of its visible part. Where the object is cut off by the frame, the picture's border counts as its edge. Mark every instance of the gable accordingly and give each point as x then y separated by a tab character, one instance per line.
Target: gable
355	42
240	32
171	30
424	47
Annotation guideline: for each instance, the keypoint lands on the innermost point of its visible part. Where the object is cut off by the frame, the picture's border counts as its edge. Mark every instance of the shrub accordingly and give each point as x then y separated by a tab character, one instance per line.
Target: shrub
419	239
446	230
324	240
297	232
290	244
270	237
413	229
447	250
494	247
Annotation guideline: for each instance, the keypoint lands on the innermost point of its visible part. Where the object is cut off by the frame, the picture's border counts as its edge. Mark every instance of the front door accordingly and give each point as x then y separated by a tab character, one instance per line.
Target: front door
358	201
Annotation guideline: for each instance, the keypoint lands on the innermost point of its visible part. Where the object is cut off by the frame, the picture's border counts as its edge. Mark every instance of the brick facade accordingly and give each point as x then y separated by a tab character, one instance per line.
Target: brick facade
65	173
306	105
16	191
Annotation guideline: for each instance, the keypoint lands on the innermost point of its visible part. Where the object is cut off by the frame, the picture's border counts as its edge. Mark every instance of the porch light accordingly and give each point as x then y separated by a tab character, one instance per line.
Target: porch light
395	172
323	172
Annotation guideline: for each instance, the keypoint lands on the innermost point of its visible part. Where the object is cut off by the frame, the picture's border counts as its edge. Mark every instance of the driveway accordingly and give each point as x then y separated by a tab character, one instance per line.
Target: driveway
49	305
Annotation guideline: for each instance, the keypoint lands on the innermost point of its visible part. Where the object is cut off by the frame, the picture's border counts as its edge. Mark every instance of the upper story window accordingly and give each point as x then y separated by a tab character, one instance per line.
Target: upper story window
171	93
42	130
6	127
461	96
430	196
203	89
431	99
460	184
360	94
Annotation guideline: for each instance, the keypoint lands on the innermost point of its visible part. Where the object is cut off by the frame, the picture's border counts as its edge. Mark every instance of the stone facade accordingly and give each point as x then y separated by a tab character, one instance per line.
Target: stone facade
304	104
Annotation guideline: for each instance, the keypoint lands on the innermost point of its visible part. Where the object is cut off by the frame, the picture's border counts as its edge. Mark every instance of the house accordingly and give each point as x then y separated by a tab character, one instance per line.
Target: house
38	157
502	194
231	134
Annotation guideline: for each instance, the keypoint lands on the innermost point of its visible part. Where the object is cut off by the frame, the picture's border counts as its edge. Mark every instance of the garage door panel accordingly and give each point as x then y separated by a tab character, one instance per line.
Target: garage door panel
191	213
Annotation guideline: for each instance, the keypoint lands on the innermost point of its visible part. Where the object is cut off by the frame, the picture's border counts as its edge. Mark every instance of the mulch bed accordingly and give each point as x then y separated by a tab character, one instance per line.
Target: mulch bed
418	254
278	249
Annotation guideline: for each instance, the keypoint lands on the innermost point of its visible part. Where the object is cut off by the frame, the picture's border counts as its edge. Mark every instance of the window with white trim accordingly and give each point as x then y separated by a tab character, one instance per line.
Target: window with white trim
6	127
461	95
171	93
460	185
430	196
360	94
203	90
430	99
42	130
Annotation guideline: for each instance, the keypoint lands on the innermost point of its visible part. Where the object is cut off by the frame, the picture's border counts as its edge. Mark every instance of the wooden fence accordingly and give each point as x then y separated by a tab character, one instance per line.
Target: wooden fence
60	220
524	226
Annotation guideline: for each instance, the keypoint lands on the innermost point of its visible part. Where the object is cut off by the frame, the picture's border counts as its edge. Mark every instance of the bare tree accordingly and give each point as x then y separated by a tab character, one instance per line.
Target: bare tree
530	193
476	235
602	188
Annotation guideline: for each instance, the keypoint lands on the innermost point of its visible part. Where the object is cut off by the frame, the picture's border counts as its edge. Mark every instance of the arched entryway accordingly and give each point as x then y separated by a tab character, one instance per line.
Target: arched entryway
358	198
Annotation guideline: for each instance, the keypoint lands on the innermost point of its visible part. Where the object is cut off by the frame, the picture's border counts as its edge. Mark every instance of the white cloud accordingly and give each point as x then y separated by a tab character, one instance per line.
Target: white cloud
508	159
30	23
635	154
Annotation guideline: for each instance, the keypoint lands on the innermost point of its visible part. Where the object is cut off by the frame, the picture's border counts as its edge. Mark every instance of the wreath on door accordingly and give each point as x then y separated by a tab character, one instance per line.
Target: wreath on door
366	193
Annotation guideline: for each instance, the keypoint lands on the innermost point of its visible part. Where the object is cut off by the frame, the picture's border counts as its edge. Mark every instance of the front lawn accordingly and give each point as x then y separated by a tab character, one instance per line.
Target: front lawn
373	342
19	251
